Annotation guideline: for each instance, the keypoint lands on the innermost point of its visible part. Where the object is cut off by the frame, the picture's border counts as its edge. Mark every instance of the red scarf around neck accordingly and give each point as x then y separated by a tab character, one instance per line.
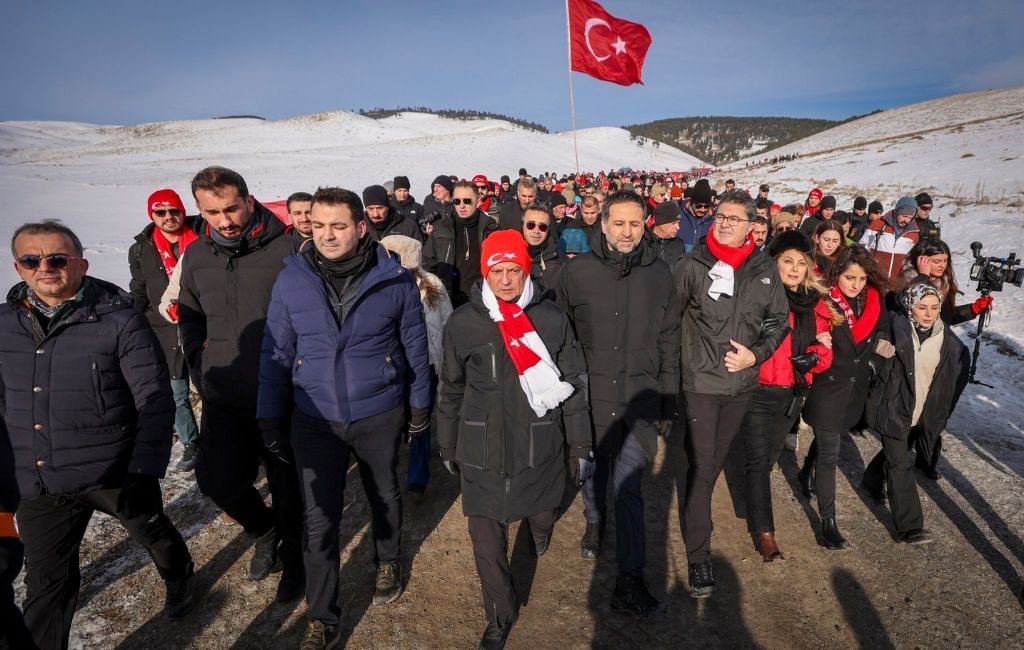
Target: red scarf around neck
734	257
863	326
165	249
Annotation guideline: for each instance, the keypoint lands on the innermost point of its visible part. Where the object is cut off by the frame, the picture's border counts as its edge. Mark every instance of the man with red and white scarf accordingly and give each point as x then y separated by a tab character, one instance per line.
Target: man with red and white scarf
513	397
152	259
734	315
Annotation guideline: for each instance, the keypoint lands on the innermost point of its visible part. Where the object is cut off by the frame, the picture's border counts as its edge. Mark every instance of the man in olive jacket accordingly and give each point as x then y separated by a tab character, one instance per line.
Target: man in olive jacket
735	315
623	305
503	426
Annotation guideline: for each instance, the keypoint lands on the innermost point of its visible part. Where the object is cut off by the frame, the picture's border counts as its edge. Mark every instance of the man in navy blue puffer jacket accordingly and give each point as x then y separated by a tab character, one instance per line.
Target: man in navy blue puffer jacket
344	354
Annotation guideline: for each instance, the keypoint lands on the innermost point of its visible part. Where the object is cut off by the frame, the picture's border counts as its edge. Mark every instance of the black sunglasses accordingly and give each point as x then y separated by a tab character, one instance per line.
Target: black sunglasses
54	261
463	201
530	225
701	206
171	212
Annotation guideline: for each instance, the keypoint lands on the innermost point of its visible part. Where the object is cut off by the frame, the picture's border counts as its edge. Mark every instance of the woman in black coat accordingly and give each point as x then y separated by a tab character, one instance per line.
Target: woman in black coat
837	397
913	404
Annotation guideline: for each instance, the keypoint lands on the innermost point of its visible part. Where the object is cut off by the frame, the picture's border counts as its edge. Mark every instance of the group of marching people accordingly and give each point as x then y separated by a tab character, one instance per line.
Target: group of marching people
543	333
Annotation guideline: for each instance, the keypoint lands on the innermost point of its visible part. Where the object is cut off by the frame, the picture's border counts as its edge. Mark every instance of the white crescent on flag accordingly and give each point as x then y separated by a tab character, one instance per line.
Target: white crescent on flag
590	24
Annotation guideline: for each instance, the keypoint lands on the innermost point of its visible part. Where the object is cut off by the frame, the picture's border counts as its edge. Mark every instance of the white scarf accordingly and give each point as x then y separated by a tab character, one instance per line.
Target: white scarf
722	280
541	382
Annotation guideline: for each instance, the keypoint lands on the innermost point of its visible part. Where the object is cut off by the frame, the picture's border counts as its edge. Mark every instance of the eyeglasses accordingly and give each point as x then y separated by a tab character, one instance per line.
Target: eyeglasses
701	206
463	201
732	221
530	225
54	261
170	212
781	228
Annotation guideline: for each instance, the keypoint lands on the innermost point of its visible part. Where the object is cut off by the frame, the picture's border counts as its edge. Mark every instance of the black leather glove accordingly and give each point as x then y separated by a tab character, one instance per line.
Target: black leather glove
277	439
875	379
804	363
140	496
581	464
419	422
448	460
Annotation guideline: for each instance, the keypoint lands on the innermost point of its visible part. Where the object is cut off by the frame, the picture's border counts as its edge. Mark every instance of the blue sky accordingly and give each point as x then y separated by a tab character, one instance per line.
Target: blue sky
120	62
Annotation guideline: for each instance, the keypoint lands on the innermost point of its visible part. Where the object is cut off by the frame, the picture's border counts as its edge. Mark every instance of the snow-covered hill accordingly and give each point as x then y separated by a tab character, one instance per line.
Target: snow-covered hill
97	178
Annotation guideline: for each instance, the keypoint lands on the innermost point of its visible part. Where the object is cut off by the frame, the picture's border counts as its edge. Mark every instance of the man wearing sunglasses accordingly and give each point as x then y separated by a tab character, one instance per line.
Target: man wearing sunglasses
152	259
546	263
88	410
452	252
695	221
226	279
929	229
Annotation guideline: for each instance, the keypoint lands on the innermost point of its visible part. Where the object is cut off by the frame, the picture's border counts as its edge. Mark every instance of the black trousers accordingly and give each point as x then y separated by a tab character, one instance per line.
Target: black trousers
490	549
322	453
52	529
762	432
231	450
892	467
13	633
712	423
825	456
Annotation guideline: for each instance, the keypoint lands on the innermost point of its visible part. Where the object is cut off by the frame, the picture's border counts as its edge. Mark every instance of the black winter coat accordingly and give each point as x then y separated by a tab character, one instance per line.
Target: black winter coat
511	216
395	224
756	315
409	209
838	395
547	264
434	211
439	253
88	402
222	309
669	250
626	317
891	404
147	286
512	463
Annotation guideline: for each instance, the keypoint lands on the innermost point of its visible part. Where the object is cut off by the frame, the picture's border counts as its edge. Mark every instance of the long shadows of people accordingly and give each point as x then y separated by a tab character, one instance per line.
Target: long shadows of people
861	616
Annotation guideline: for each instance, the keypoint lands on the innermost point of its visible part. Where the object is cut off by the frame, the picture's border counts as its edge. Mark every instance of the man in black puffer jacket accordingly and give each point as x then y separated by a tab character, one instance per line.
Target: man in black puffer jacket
151	260
226	280
504	422
87	405
405	205
735	314
383	219
622	303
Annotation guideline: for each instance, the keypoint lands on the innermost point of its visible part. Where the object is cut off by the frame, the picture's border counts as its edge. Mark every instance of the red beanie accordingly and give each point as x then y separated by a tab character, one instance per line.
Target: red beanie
816	193
480	179
164	199
504	246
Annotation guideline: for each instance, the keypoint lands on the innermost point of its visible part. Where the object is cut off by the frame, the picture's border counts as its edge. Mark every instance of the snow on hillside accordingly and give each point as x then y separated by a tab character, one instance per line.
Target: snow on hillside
967	152
97	178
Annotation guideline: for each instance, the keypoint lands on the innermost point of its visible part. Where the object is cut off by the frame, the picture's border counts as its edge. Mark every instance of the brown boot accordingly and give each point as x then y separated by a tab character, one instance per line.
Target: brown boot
769	549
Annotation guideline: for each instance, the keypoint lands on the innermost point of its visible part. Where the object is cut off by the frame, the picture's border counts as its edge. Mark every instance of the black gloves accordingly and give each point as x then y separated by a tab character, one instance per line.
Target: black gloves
581	464
804	363
140	495
419	421
276	437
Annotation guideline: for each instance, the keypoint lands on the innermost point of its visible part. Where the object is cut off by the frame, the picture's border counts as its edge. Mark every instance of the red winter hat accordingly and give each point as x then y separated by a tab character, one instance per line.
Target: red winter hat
816	193
504	246
164	199
480	179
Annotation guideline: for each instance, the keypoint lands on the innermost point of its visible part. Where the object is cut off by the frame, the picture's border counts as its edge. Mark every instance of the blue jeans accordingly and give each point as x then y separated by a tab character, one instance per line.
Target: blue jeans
184	419
626	478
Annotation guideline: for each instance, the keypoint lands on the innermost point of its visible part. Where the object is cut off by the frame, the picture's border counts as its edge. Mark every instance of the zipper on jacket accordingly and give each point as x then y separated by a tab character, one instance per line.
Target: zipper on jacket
494	364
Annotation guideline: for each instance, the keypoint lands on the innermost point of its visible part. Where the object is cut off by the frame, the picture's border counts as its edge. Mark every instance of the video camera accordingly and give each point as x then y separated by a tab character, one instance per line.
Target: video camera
991	272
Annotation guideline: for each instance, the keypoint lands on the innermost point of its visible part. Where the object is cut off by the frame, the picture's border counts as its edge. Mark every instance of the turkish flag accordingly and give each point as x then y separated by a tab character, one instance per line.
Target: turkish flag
606	47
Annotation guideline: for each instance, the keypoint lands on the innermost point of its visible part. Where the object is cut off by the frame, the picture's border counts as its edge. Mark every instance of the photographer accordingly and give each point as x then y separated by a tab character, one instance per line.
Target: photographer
929	261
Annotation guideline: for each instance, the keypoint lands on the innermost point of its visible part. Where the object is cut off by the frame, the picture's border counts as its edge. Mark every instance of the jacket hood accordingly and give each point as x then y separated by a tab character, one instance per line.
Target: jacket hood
99	297
409	250
646	247
387	265
890	220
266	228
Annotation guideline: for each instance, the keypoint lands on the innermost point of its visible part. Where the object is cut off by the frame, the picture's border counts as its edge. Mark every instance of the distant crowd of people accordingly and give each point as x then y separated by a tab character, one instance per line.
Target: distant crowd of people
538	335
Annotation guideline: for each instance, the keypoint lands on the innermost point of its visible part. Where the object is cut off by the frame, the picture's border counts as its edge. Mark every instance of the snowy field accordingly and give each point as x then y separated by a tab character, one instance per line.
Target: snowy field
966	151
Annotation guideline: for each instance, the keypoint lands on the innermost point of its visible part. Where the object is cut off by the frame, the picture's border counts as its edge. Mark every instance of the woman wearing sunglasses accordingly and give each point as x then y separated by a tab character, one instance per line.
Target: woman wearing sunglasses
546	262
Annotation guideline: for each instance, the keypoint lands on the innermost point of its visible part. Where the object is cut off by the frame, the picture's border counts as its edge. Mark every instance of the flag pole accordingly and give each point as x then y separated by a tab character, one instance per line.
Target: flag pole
572	96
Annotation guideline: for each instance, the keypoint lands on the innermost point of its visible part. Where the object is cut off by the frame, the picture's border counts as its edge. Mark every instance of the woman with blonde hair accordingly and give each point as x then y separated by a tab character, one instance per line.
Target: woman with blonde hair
437	307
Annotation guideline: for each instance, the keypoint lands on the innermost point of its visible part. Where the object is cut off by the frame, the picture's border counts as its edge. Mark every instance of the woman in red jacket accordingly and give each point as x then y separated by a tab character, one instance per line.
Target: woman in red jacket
783	380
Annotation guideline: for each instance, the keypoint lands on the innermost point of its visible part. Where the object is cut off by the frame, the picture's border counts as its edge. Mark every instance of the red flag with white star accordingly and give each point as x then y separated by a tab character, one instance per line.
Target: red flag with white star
606	47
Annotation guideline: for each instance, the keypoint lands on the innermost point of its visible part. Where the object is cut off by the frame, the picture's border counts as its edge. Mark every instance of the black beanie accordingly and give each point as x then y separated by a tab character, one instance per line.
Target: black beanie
522	171
666	212
444	182
701	192
505	179
402	183
828	202
789	240
923	199
876	206
860	203
558	199
375	195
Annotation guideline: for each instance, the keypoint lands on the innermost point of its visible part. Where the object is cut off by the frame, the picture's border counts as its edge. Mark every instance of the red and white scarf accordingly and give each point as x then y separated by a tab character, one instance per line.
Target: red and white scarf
730	259
166	250
863	326
538	374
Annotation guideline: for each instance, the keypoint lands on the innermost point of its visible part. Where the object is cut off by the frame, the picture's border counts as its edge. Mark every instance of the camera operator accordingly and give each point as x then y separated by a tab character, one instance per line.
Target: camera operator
929	261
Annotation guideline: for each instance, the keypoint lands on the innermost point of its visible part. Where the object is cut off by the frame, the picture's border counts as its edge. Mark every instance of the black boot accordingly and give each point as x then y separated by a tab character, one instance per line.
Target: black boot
805	477
834	540
181	597
590	545
495	635
264	556
702	579
631	595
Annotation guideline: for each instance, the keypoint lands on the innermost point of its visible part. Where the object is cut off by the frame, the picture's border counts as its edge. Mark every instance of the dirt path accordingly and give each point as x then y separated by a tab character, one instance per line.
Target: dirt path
961	591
